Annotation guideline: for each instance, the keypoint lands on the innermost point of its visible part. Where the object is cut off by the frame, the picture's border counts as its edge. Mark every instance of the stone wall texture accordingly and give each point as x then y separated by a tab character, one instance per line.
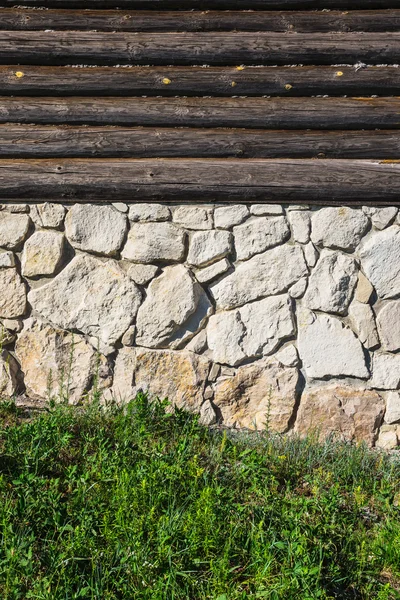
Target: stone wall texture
286	317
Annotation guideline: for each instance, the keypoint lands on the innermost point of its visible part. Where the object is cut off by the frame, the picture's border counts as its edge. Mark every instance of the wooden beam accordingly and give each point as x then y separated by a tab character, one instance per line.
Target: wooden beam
200	179
199	81
260	113
213	48
37	141
210	4
142	20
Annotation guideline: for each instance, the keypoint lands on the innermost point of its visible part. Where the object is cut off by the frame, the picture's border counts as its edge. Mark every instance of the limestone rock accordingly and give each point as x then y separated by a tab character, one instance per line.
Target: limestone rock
363	323
300	225
149	212
13	325
332	283
266	209
261	395
388	438
380	217
364	289
385	371
193	217
42	254
298	289
178	376
328	348
392	414
15	208
207	414
13	294
9	375
91	296
198	343
128	339
14	230
55	363
7	260
288	356
207	247
228	216
255	329
380	260
256	236
152	242
338	227
388	321
311	254
96	228
213	271
267	274
174	309
121	206
48	215
347	412
7	337
142	274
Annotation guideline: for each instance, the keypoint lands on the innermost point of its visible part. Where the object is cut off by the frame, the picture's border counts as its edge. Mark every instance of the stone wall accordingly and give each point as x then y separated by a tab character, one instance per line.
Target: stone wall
284	316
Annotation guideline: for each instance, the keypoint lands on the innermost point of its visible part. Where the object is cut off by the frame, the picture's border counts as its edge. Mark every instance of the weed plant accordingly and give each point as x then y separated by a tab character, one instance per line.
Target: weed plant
141	503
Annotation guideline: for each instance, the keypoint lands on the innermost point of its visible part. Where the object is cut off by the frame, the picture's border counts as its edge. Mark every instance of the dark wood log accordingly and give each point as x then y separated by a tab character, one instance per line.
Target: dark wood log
200	179
199	81
260	113
37	141
214	48
210	4
117	20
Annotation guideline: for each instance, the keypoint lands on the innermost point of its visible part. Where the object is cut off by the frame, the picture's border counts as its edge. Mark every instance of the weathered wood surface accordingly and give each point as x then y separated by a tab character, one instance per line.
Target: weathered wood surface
213	48
36	141
265	113
200	179
199	81
117	20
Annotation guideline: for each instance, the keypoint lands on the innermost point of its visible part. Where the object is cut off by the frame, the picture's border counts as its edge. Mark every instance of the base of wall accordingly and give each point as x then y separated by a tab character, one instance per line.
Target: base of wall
263	316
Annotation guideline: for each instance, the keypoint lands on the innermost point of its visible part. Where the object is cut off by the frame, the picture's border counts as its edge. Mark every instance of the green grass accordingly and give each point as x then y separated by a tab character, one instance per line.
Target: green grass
144	504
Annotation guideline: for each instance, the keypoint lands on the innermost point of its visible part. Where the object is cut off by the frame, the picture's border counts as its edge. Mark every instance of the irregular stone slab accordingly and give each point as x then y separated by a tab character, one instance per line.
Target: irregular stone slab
15	208
207	247
13	294
179	376
267	274
198	343
91	296
152	242
7	260
213	271
347	412
259	235
228	216
298	289
380	260
392	414
207	414
300	224
142	274
14	230
266	209
149	212
42	253
311	254
7	337
121	206
13	325
256	329
288	356
128	339
362	320
193	217
56	364
385	371
332	282
388	321
388	438
96	228
338	227
48	215
328	348
380	217
364	289
9	375
174	309
260	396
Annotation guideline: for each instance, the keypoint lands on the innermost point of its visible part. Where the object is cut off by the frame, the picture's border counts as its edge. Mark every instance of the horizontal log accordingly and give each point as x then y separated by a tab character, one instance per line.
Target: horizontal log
214	48
210	4
199	81
36	141
200	179
260	113
117	20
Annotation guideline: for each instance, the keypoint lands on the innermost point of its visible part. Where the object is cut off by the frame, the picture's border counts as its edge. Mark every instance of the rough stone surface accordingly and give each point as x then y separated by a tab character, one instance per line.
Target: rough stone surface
7	260
9	375
42	254
213	271
332	283
96	228
261	395
392	414
300	225
385	371
338	227
347	412
48	215
13	294
362	320
388	438
272	272
152	242
149	212
298	289
207	247
311	254
207	414
328	348
266	209
364	289
388	321
228	216
193	217
14	230
174	309
380	260
91	296
380	217
256	236
142	274
288	356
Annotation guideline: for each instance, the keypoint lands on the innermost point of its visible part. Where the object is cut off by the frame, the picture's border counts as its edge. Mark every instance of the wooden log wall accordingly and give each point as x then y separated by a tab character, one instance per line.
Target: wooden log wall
200	100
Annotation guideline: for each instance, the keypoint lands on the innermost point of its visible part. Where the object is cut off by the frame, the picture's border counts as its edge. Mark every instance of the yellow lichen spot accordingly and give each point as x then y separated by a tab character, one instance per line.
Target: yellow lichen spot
233	83
339	73
288	86
19	74
240	68
166	81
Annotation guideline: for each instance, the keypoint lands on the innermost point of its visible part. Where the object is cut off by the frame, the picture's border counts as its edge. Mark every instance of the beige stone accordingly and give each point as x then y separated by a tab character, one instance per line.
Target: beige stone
212	271
48	215
207	247
42	254
300	225
392	414
363	323
14	230
257	236
149	212
193	217
228	216
339	227
142	274
385	371
388	321
266	209
96	228
207	414
380	261
13	294
364	289
388	438
153	242
9	375
7	260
